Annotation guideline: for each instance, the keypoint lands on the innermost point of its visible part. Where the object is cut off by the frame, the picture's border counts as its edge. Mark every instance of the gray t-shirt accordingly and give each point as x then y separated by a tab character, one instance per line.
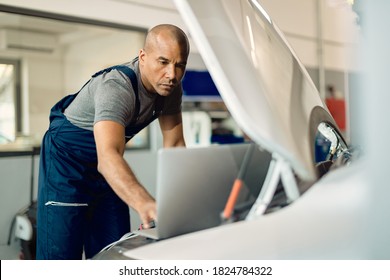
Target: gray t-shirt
110	96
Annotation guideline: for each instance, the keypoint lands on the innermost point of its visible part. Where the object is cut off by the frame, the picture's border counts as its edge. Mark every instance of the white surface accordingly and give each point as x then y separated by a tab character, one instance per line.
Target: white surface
375	101
197	129
23	228
327	222
265	87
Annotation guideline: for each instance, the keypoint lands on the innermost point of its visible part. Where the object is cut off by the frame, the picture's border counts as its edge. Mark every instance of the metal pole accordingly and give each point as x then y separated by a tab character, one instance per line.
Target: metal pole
320	51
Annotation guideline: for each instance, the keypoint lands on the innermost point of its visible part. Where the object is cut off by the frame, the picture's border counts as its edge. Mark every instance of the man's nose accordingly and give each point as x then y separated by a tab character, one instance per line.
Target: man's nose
171	72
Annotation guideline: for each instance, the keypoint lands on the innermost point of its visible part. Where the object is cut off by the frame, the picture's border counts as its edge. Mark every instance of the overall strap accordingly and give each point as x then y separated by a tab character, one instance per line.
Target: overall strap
133	129
133	79
158	105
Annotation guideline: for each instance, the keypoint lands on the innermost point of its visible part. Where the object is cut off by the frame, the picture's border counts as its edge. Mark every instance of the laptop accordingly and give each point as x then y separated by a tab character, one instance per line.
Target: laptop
193	185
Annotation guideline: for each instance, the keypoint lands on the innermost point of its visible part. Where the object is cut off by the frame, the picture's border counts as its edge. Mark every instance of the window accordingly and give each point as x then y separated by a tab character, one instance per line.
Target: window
9	100
44	58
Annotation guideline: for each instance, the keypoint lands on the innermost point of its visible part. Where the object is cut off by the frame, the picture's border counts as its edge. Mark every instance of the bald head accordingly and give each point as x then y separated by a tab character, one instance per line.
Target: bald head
163	59
167	33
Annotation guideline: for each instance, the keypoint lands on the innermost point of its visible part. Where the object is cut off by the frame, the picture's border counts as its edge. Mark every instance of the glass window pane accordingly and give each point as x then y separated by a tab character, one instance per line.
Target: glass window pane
7	103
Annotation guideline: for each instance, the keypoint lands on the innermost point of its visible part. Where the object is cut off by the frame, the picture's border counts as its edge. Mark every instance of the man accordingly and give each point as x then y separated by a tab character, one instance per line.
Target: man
85	185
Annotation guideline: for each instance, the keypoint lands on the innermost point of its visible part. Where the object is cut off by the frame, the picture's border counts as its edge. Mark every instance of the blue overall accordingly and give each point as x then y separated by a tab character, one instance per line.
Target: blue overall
77	209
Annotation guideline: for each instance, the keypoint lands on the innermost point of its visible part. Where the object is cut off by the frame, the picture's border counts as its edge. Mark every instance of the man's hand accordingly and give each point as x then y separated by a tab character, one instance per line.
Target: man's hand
148	214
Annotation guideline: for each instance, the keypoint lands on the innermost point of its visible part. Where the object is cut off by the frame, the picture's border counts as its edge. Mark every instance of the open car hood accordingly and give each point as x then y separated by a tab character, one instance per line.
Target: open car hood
272	98
262	82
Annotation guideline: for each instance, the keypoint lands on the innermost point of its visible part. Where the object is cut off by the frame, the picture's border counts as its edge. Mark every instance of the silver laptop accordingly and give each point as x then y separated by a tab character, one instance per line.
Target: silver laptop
193	185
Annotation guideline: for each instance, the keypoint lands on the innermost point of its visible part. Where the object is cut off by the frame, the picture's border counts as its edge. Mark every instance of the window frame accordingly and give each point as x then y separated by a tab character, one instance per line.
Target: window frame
16	63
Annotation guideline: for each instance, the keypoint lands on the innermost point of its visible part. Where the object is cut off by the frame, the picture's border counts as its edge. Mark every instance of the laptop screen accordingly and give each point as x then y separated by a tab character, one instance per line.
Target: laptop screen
193	185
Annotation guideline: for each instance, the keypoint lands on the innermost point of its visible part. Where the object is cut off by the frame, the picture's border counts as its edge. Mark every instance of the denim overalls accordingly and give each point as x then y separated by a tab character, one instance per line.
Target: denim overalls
77	209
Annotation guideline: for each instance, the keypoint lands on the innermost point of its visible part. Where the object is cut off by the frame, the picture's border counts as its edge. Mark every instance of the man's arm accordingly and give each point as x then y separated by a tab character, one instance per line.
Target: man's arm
172	130
110	146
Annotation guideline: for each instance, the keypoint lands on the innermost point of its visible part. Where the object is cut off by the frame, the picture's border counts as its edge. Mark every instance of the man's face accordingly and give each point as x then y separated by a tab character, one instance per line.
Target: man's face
162	67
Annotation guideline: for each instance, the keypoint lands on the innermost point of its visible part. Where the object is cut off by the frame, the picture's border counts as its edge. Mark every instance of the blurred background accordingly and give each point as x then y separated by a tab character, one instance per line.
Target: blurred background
48	49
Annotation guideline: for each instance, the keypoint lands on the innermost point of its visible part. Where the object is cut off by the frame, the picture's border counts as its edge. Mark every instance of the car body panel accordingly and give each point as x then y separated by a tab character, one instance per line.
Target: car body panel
325	223
262	82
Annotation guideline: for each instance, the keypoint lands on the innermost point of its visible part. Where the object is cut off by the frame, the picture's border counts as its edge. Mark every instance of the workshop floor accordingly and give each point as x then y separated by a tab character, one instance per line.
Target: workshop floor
10	252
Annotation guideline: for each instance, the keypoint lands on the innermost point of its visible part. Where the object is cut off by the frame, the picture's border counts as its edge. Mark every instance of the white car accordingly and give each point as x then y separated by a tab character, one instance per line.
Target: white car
274	101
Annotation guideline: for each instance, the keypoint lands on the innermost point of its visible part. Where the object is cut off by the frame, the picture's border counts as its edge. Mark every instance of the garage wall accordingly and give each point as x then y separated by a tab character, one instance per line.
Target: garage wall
298	19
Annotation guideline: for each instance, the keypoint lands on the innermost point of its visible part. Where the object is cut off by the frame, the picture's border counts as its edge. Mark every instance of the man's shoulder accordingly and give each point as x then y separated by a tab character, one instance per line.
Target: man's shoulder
133	64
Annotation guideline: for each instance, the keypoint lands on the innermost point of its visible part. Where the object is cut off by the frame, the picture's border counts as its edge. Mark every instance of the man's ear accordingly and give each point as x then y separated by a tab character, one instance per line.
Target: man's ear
141	55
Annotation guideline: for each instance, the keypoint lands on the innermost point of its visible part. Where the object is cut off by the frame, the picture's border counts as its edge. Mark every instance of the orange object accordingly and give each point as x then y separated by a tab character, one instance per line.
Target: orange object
337	110
232	199
237	185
